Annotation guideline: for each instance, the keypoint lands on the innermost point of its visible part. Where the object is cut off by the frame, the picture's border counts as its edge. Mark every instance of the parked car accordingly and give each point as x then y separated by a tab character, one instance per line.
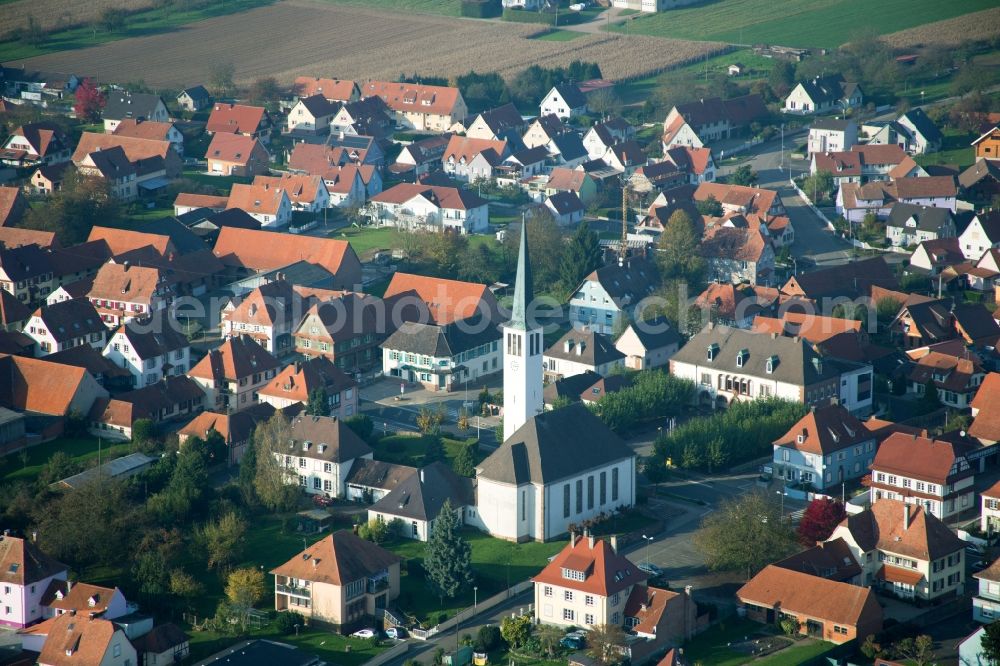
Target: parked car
364	633
575	640
979	566
396	633
650	568
322	500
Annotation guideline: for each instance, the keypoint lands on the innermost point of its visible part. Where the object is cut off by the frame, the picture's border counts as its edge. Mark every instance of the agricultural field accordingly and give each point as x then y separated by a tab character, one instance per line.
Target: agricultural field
970	27
439	7
291	38
55	13
806	23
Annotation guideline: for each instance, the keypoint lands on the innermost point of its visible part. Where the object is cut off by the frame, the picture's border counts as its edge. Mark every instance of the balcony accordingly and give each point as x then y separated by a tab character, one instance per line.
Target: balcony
291	590
376	585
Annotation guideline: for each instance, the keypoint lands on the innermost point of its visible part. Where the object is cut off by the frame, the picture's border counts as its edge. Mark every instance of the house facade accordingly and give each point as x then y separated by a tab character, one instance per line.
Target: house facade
824	449
319	454
442	357
150	349
611	292
298	381
413	206
25	579
232	374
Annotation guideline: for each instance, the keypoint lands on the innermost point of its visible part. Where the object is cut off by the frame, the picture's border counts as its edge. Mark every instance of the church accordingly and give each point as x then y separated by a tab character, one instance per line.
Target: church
554	469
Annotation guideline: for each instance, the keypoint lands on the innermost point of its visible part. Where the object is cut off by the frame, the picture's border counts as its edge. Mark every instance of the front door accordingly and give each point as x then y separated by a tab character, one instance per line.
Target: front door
380	601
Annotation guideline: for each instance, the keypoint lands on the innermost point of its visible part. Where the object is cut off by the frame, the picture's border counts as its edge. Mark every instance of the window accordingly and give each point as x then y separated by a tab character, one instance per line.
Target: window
328	467
116	650
590	492
614	484
568	595
524	504
573	574
566	492
548	590
588	619
579	496
604	488
568	614
317	483
589	600
302	462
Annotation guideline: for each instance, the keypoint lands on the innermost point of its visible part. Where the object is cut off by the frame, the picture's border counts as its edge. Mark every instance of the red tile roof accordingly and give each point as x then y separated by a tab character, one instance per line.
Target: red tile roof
125	240
37	385
605	571
77	640
413	97
235	119
917	457
211	201
135	148
23	563
447	300
143	129
13	205
236	358
338	559
986	424
451	198
235	148
266	250
800	593
338	90
825	430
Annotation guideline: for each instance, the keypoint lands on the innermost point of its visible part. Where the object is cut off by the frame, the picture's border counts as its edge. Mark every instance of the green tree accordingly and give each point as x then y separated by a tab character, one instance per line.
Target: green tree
188	487
488	638
678	249
886	310
547	247
477	264
781	78
376	531
113	18
143	432
265	89
273	480
447	556
930	401
430	420
918	650
444	253
549	636
222	539
247	473
185	586
319	402
464	463
606	642
745	534
73	211
103	507
244	588
819	187
744	175
221	75
516	630
581	257
709	206
991	643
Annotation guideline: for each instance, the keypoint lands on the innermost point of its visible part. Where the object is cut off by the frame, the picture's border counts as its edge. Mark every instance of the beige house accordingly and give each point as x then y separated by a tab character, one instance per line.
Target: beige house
232	374
905	550
339	580
419	107
648	344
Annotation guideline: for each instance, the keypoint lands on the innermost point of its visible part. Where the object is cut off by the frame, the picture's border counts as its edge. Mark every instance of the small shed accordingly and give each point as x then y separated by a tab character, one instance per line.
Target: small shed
313	521
736	69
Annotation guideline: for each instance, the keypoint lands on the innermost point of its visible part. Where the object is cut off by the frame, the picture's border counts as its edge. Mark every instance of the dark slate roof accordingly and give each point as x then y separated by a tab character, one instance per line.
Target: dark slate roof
929	218
569	387
198	93
856	277
569	145
185	240
924	125
378	474
531	155
262	652
121	105
502	118
597	348
70	319
328	439
656	333
319	106
629	283
154	336
112	162
982	169
932	318
421	495
441	341
977	322
836	124
825	90
555	445
797	362
571	95
24	262
566	203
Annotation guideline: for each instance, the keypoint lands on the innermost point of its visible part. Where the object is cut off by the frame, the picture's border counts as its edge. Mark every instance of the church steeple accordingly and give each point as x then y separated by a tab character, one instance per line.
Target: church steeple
524	291
522	374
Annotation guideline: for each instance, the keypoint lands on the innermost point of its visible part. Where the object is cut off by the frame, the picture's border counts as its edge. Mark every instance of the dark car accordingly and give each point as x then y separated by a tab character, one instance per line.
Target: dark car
322	500
573	641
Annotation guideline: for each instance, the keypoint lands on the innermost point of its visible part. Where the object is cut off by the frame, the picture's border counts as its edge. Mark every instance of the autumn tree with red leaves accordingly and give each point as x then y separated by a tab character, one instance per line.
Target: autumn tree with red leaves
821	517
89	101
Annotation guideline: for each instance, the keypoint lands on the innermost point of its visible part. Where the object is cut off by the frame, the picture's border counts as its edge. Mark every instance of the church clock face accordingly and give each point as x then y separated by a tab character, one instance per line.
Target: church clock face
514	365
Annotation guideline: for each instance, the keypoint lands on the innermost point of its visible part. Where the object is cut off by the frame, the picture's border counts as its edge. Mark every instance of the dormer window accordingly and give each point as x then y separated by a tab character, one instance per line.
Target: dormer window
742	357
573	574
306	446
711	352
771	364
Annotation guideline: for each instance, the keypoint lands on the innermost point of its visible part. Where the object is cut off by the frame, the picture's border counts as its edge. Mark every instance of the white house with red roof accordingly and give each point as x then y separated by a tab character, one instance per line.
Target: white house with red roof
25	576
985	416
989	515
419	107
414	206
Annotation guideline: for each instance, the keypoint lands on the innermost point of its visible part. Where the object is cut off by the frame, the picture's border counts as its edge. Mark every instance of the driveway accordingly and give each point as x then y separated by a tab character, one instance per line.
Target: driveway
599	23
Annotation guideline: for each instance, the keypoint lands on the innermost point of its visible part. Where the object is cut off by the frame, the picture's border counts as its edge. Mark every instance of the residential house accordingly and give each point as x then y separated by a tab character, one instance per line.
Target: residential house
981	236
194	98
445	301
851	280
956	378
624	157
737	255
64	325
986	603
235	429
49	178
854	201
299	382
368	117
311	115
935	255
934	474
267	203
467	159
543	130
657	176
697	163
268	314
562	179
733	364
566	150
36	144
113	166
345	330
825	609
503	123
905	550
164	644
26	272
121	292
823	95
250	121
736	305
155	161
26	573
924	322
253	250
73	639
989	518
910	224
558	469
186	202
913	131
13	313
564	101
711	119
524	164
65	596
319	454
232	374
155	131
413	206
864	163
606	133
986	421
417	501
611	292
443	357
824	449
580	351
832	560
980	182
566	208
352	149
41	388
236	155
340	580
421	157
762	203
371	480
124	105
419	107
173	397
831	135
335	90
150	349
987	145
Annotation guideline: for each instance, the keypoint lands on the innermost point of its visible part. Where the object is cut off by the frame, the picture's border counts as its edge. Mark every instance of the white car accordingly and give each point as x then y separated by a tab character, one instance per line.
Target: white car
396	633
578	7
650	568
364	633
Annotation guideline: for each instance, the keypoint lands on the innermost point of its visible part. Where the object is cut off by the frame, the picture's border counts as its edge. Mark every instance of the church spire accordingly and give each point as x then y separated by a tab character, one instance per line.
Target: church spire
524	291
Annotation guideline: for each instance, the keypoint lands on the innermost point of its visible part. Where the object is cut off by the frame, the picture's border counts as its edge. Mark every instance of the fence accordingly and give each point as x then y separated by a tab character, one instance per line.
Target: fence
812	207
468	613
389	655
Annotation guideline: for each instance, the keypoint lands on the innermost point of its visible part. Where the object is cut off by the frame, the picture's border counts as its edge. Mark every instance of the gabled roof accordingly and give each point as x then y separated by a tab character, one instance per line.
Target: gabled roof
343	318
986	424
552	446
918	457
12	310
927	218
976	323
449	198
422	494
259	198
42	136
148	402
40	386
463	149
25	262
144	129
235	148
197	93
856	277
413	97
338	559
120	105
586	346
120	241
70	319
77	640
571	180
882	526
565	203
924	125
569	145
234	428
441	341
265	250
136	149
211	201
24	563
325	438
298	380
236	118
125	283
628	284
729	299
733	243
153	336
605	571
825	430
16	237
369	473
319	106
447	300
236	358
301	189
751	199
502	118
737	111
814	328
796	592
828	559
570	94
111	163
571	387
982	169
825	89
161	638
340	90
82	597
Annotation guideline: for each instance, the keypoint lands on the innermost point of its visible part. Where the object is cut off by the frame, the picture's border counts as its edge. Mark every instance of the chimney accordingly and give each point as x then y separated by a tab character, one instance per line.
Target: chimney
572	538
590	540
69	585
614	543
421	476
906	516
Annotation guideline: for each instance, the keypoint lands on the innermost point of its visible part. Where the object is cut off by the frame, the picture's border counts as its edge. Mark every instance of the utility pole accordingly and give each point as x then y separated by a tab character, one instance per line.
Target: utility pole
624	247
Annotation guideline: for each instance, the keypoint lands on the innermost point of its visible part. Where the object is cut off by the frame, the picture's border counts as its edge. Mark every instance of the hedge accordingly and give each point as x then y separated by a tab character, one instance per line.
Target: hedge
548	18
481	8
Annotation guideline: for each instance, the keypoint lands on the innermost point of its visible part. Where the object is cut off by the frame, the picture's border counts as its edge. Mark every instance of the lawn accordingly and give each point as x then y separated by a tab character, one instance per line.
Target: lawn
559	36
365	240
954	150
807	23
711	647
326	645
440	7
82	450
796	654
409	450
497	564
162	18
222	184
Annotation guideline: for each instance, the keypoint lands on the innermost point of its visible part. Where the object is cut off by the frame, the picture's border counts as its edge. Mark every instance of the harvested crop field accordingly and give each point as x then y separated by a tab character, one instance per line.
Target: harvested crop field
296	37
56	13
971	27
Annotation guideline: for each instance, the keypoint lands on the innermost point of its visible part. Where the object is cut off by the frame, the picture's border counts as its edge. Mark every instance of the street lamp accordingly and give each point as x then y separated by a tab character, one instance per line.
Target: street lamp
783	494
475	599
647	539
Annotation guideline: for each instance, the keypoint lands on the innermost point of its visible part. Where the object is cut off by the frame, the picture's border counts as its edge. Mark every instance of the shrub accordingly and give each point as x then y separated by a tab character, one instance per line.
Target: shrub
481	8
285	622
488	638
548	18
